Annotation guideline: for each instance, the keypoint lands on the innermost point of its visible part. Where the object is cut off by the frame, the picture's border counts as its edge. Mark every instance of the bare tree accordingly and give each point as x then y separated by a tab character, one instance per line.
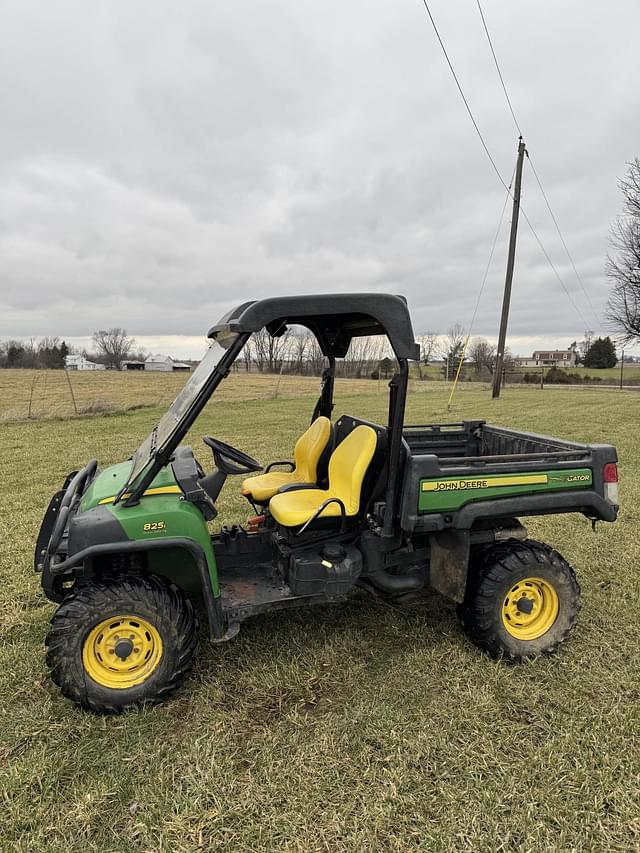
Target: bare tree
623	268
298	343
454	339
268	351
315	357
141	354
258	342
482	354
508	362
451	346
585	345
428	346
364	355
247	355
113	346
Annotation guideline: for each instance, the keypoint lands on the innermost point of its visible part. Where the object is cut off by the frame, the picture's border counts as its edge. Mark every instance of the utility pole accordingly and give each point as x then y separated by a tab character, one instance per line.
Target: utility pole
622	370
506	301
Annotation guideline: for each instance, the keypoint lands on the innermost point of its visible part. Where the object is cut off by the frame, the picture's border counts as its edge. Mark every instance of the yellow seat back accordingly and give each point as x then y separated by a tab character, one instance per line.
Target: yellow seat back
348	465
308	450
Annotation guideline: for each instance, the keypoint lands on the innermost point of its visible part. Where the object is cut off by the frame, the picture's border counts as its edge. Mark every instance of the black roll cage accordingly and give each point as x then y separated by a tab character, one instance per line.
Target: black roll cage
334	320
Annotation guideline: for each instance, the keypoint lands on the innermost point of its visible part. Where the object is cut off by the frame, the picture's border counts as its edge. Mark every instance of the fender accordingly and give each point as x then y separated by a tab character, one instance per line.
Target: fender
215	616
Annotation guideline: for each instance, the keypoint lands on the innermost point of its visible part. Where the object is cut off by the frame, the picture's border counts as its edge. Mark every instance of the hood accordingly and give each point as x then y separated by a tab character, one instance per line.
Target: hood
107	483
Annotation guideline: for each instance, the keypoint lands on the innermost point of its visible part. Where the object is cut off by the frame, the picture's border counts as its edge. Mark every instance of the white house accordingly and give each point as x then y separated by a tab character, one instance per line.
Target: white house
549	358
555	358
79	362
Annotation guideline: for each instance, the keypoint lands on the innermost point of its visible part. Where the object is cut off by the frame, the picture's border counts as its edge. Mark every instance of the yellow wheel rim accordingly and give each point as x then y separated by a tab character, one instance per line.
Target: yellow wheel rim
530	608
121	651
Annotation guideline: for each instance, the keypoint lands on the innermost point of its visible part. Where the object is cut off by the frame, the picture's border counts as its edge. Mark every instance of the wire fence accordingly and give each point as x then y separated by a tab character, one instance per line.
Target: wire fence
37	394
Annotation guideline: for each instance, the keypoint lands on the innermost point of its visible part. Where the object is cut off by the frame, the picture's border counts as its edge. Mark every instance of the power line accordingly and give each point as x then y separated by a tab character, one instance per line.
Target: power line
462	95
486	148
495	59
477	305
566	248
537	177
551	264
493	248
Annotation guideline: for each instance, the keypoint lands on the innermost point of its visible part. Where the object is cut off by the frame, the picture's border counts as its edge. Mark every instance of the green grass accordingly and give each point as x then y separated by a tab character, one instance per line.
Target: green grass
631	372
355	727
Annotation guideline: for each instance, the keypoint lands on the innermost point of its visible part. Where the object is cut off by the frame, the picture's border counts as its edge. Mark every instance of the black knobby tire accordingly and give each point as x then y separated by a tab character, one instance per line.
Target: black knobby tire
159	603
496	571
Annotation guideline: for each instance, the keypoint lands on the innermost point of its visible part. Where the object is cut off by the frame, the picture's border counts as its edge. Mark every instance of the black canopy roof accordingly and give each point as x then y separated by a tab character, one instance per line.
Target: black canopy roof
333	318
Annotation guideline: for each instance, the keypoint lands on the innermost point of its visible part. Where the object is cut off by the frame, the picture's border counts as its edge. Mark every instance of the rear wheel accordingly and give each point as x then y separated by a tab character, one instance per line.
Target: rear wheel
121	642
522	600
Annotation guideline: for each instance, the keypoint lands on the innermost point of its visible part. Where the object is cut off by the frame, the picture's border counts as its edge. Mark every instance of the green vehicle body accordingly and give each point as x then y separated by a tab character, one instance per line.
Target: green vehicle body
161	515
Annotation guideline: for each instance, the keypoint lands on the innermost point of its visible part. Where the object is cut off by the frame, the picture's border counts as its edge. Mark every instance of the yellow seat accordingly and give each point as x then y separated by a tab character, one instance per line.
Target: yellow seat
307	453
347	467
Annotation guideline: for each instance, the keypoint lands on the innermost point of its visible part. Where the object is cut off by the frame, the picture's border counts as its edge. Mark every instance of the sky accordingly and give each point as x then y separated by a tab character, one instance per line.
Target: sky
161	162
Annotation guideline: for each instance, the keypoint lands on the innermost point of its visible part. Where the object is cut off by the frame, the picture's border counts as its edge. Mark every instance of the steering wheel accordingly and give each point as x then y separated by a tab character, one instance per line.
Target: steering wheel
229	460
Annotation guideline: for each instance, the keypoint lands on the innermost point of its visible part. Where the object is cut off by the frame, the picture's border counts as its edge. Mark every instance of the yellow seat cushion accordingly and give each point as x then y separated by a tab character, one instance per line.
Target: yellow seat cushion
295	508
263	487
347	468
307	453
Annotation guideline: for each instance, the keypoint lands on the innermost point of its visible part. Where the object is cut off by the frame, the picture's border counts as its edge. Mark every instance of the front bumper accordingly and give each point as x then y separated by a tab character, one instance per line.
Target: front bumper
51	541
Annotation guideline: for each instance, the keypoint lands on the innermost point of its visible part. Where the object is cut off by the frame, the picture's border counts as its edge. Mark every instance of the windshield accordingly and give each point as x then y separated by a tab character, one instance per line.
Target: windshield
168	423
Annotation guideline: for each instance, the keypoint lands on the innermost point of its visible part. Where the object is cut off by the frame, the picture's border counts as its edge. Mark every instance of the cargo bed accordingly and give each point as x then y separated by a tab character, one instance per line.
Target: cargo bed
457	474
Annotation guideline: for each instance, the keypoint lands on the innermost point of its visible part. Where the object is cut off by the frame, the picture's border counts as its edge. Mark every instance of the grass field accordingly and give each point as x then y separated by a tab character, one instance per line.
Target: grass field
631	372
631	375
355	727
37	394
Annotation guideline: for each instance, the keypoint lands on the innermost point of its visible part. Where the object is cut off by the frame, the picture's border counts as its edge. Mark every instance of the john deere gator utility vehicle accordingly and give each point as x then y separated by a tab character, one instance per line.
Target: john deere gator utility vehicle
393	509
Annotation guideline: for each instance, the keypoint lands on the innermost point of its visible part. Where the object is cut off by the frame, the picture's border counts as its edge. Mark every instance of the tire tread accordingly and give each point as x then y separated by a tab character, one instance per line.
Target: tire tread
148	591
492	566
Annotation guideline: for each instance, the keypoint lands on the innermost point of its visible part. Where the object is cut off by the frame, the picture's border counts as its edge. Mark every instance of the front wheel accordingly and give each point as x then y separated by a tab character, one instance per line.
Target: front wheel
121	642
522	600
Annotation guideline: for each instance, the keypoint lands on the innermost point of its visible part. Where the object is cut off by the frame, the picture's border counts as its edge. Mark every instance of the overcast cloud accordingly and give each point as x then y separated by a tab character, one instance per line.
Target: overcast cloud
161	161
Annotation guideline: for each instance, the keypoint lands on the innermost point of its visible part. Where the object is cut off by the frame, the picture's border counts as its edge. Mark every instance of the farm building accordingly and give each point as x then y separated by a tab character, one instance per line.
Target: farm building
133	365
164	364
79	362
159	363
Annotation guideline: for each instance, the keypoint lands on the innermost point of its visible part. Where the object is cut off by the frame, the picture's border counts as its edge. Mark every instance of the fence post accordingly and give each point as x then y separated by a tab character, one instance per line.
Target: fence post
275	393
73	396
33	384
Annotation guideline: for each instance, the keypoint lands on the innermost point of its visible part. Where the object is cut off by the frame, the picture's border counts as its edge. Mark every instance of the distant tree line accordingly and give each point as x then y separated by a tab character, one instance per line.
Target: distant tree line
111	347
49	352
297	351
